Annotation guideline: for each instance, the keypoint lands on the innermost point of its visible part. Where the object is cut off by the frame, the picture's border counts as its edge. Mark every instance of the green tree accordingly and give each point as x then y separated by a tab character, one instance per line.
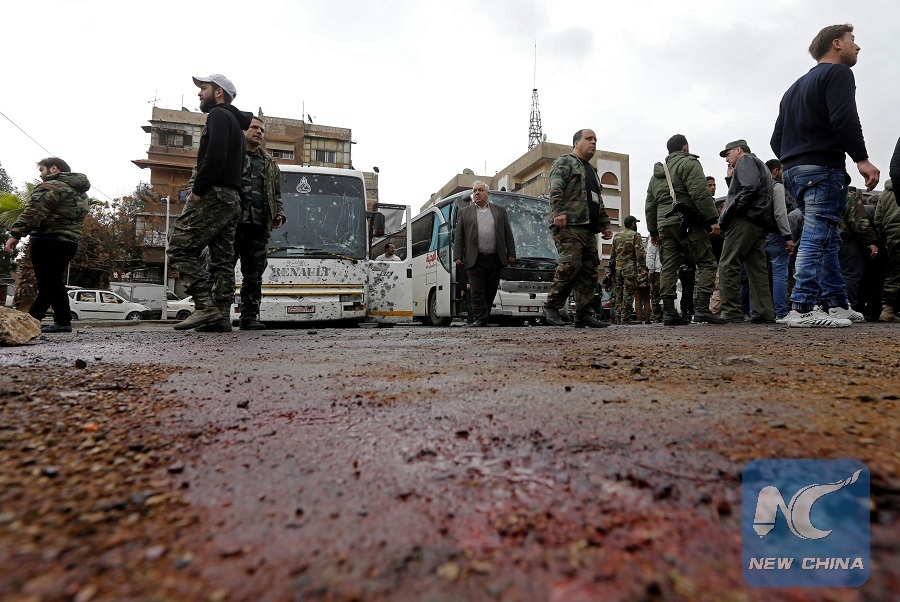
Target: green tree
112	243
8	200
11	206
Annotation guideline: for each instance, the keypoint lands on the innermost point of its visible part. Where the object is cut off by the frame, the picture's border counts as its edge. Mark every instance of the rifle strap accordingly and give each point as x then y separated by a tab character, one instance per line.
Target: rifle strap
669	181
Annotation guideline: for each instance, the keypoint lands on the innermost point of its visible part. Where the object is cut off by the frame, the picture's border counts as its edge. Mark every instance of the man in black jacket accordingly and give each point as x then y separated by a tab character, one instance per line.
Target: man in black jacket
817	124
210	216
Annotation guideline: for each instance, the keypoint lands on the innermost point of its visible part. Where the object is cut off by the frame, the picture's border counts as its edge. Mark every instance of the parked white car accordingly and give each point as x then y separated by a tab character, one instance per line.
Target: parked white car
177	308
91	304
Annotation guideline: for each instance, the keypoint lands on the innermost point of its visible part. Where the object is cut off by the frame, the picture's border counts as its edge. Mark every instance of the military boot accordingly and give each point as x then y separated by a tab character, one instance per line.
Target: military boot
589	321
220	325
552	316
223	324
670	314
887	314
200	317
702	313
251	323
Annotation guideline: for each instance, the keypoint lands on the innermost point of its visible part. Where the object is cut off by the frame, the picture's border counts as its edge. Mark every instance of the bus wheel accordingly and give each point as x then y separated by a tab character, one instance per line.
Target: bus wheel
433	318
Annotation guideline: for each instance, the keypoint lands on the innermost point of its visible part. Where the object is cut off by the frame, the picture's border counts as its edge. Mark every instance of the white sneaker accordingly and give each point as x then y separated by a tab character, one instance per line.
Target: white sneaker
815	319
781	320
846	314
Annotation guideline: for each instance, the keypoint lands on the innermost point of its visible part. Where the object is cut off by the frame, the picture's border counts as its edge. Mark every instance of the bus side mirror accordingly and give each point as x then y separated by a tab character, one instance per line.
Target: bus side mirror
377	224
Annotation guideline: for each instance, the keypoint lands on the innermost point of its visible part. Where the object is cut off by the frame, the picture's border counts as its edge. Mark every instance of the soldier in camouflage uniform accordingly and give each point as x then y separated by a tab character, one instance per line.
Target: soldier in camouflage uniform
54	217
210	215
628	250
261	211
887	223
858	244
577	214
682	239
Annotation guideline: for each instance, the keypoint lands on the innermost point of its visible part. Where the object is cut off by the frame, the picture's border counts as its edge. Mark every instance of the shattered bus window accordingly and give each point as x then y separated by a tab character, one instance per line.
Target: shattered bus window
325	215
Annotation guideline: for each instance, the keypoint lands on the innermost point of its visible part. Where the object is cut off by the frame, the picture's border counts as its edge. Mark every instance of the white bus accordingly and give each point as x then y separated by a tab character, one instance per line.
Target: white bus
318	268
439	285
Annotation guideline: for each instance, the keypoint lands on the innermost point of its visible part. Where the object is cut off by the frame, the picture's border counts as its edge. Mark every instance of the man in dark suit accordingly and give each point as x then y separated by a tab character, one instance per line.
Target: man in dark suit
484	243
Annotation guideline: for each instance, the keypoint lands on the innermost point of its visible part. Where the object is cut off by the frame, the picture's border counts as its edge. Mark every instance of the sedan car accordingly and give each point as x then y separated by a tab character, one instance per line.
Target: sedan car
89	304
178	308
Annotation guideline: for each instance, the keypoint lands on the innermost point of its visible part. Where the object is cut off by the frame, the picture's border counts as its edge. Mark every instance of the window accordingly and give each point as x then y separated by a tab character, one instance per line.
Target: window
175	139
609	179
422	231
149	229
110	298
324	156
85	297
326	151
283	154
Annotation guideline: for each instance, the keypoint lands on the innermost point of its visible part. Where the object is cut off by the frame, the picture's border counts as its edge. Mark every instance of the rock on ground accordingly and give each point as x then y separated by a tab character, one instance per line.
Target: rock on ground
17	328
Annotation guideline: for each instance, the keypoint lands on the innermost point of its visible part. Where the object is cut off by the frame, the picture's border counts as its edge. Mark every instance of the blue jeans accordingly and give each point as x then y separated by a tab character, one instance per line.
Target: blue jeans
821	192
778	261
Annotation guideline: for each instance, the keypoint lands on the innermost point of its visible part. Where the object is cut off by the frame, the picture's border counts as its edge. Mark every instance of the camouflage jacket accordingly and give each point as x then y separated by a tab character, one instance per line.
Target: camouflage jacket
689	183
887	216
57	207
855	225
273	206
569	194
628	250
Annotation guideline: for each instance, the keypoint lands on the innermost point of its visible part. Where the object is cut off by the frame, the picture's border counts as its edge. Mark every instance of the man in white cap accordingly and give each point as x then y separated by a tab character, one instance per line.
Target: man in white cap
210	215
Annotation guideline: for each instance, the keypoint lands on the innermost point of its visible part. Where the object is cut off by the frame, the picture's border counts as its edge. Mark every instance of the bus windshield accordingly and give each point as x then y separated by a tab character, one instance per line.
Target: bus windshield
528	218
326	216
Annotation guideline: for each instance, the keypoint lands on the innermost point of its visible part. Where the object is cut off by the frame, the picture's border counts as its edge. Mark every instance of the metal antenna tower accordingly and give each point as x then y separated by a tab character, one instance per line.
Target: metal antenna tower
534	130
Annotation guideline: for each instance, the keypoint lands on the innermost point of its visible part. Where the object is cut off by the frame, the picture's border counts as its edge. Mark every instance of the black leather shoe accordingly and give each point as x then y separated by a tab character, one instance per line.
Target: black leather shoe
732	318
477	324
51	328
552	316
673	320
590	322
252	324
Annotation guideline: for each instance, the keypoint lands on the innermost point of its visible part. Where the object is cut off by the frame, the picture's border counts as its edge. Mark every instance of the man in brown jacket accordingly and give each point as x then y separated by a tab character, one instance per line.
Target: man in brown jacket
484	244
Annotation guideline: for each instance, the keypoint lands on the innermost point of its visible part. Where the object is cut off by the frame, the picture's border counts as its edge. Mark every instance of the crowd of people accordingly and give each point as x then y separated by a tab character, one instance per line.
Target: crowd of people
791	242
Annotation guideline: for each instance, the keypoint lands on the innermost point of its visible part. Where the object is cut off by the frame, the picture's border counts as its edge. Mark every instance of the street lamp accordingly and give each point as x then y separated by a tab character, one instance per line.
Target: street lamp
166	249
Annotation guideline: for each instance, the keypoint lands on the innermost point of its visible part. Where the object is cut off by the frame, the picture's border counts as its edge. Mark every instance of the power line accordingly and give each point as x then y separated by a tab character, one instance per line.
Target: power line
51	154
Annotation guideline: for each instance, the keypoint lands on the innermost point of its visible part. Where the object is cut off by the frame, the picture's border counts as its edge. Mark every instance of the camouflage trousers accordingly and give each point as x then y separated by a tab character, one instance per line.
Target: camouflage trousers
250	242
207	222
626	285
576	270
694	249
890	294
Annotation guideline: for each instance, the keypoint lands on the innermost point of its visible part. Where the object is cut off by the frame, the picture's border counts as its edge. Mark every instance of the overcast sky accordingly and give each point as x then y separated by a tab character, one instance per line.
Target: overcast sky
430	87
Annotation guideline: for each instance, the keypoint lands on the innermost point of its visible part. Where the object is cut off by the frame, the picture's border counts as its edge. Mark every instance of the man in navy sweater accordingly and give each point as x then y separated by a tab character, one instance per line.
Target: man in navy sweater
817	124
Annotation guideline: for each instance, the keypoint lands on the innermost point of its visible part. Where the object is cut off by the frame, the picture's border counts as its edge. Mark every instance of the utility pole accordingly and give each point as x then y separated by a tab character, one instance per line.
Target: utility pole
534	131
166	252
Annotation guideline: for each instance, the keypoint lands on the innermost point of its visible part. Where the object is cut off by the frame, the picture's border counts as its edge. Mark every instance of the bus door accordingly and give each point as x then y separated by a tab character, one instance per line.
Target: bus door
390	296
444	271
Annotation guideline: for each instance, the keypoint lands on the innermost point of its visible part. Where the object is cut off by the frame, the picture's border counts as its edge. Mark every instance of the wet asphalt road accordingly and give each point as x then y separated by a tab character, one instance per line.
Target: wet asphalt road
415	463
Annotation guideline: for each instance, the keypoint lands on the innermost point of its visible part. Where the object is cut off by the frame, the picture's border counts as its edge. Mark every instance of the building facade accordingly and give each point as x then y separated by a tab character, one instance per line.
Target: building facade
530	174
